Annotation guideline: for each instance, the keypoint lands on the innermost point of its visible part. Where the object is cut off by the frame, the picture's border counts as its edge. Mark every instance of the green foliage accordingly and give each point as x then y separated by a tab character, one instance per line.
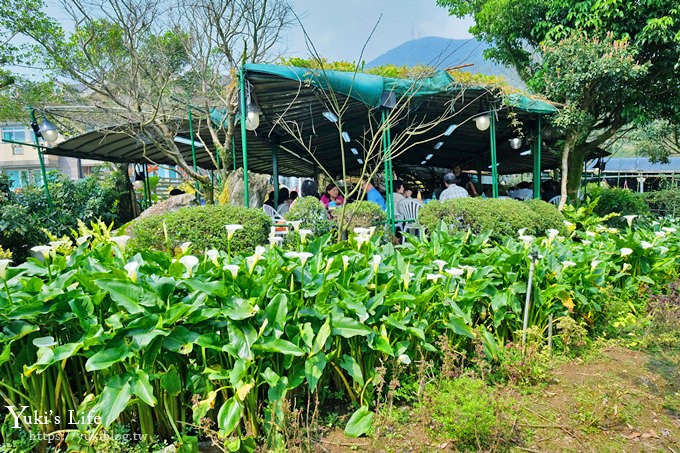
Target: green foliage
364	214
162	343
584	217
501	217
312	213
664	202
549	217
658	140
616	200
26	215
464	410
204	227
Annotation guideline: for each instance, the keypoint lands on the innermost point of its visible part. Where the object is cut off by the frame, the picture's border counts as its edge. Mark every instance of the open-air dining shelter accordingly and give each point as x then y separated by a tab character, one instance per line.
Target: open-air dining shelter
307	121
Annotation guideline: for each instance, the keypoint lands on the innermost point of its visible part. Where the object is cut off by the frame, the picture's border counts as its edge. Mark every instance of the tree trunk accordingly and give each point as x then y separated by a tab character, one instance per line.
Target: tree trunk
569	144
576	158
127	204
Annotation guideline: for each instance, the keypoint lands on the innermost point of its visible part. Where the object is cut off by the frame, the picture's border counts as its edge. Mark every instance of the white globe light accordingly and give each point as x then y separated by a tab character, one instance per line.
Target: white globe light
252	119
138	184
515	143
49	131
482	122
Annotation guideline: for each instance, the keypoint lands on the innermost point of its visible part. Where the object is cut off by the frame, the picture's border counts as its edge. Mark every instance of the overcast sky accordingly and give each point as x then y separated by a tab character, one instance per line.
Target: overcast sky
339	28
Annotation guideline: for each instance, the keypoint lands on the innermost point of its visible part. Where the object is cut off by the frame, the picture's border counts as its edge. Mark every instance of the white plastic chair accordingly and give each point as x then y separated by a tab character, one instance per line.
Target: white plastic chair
555	200
408	210
271	212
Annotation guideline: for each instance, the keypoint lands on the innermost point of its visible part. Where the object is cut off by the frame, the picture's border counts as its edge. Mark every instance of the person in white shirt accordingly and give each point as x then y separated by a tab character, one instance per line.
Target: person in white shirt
452	190
398	194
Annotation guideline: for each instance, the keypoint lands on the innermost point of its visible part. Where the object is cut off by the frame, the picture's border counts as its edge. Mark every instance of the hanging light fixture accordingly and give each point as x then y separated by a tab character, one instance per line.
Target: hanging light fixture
252	116
515	143
483	122
46	130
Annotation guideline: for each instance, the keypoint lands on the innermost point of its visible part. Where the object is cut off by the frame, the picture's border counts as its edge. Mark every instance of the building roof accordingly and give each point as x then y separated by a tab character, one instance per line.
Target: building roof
300	99
638	165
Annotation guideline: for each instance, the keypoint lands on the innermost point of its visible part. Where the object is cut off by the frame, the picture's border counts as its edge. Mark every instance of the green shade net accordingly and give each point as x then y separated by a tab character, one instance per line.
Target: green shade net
370	89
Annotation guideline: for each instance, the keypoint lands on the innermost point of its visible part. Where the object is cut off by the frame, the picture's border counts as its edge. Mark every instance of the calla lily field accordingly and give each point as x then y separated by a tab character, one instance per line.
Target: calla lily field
93	333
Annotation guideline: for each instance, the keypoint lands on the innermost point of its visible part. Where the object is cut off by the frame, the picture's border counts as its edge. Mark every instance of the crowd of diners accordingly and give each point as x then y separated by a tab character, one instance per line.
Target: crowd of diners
456	184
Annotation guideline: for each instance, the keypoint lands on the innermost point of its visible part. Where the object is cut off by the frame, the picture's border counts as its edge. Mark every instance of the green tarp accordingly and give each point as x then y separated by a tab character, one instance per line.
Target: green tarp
370	89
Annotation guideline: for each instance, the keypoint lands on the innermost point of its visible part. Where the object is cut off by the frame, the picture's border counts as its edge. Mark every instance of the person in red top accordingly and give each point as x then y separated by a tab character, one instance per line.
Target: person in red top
332	195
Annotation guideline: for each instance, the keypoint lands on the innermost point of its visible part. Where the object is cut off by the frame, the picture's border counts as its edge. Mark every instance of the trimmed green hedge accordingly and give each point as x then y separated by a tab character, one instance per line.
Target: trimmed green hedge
203	226
365	214
622	201
312	214
502	217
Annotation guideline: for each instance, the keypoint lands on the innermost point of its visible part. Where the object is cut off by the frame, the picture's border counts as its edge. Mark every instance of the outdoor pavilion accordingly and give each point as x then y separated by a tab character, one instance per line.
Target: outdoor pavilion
307	99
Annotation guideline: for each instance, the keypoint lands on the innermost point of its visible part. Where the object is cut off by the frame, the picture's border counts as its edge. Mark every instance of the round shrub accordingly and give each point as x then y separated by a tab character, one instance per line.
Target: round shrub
549	217
203	226
501	217
312	214
621	201
364	214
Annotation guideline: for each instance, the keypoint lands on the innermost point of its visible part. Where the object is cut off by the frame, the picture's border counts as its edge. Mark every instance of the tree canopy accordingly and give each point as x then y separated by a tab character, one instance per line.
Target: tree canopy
612	63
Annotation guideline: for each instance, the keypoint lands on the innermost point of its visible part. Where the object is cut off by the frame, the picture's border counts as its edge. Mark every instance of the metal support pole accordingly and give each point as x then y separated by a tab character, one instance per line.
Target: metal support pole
193	151
389	199
275	175
147	186
537	162
244	145
527	302
494	161
42	161
480	185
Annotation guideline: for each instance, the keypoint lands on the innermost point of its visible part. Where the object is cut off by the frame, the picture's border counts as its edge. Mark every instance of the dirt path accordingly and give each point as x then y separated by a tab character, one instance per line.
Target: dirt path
621	400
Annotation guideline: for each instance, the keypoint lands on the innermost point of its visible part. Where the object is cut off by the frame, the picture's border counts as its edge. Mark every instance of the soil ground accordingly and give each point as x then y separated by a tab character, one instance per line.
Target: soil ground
617	400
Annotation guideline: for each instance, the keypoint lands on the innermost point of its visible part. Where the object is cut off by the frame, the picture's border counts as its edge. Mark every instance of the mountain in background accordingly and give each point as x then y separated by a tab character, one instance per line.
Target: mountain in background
442	53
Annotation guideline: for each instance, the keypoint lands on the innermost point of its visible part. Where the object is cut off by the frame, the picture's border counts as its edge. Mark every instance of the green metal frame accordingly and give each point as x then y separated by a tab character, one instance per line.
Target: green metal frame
537	161
389	182
244	145
193	150
38	148
494	159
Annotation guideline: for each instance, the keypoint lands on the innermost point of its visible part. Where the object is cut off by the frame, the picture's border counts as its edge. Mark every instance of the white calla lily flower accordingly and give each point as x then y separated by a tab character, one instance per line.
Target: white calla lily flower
131	269
232	229
594	265
189	262
303	234
233	268
295	224
121	241
41	252
629	219
552	233
566	264
434	277
440	264
4	263
83	239
625	251
360	231
375	262
184	246
521	231
404	359
345	262
213	255
275	240
455	271
646	245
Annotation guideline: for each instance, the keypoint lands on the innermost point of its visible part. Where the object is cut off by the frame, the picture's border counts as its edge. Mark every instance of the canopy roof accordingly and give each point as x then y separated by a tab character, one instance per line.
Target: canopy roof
300	99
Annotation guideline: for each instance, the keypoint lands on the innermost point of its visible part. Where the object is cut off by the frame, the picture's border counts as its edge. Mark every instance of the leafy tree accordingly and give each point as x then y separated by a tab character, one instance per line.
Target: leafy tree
523	34
144	61
659	140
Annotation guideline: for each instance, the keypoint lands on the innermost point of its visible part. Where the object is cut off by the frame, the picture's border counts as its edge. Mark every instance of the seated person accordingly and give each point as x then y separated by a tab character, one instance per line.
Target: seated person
398	194
452	190
332	194
464	181
284	201
372	194
270	200
408	193
550	189
309	189
523	191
